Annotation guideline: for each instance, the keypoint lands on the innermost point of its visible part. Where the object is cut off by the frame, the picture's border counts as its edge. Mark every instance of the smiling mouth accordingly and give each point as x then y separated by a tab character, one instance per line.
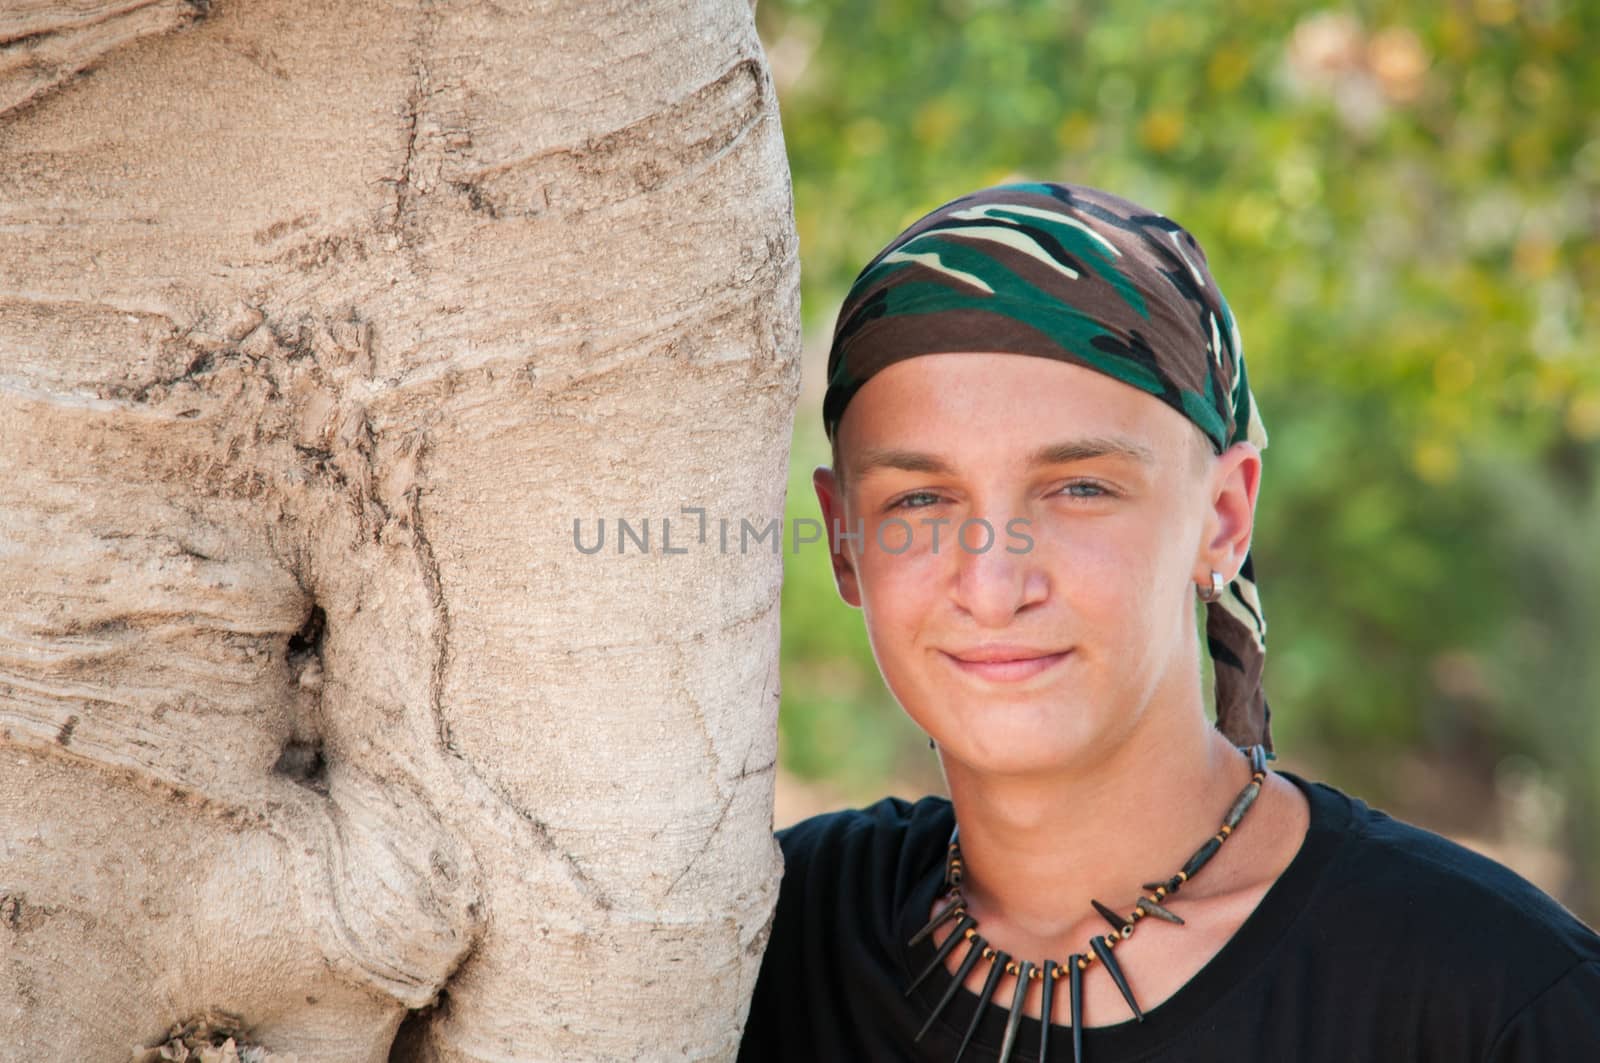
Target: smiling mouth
1010	671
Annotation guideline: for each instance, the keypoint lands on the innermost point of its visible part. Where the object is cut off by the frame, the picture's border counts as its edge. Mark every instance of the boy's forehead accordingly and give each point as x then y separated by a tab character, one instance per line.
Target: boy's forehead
874	457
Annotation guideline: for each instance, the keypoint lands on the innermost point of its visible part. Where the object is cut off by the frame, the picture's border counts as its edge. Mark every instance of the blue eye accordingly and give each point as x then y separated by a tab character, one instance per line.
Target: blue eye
915	494
1096	488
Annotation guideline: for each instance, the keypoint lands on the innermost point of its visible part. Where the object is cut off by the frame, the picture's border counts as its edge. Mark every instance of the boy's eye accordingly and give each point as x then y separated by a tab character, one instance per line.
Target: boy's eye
901	504
1096	488
1094	491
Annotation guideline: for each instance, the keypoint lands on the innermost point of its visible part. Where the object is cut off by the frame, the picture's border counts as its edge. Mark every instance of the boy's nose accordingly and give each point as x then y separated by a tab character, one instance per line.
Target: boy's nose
996	576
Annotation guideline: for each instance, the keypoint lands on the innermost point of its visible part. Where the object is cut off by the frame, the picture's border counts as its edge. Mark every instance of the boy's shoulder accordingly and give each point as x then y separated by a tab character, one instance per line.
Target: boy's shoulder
887	816
1414	881
874	840
1451	938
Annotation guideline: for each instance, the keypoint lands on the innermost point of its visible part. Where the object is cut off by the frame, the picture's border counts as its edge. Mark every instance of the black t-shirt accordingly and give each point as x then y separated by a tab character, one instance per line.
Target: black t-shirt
1380	941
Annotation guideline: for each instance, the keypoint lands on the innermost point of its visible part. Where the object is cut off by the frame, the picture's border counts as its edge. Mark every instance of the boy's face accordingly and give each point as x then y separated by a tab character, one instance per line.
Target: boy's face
1103	596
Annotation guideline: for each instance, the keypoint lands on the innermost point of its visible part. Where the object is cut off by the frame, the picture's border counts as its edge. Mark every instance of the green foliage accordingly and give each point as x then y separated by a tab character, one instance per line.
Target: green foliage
1543	674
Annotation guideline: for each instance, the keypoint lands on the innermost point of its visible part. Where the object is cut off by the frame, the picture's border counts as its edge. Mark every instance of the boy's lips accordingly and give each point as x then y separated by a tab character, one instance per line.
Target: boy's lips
1005	663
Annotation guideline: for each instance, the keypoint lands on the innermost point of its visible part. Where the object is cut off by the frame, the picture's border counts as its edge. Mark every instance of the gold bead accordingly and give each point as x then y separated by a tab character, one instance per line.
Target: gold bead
1183	876
988	953
1011	968
970	933
1161	891
1226	830
1083	964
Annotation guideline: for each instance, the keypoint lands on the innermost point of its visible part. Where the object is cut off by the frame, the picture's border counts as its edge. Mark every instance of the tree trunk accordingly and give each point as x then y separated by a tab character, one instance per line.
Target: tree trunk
320	324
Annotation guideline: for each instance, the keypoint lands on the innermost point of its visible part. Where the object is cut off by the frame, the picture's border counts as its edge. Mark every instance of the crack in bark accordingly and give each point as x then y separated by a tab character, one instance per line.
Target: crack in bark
745	771
145	779
43	53
402	184
428	564
201	364
718	116
585	882
541	832
705	843
406	184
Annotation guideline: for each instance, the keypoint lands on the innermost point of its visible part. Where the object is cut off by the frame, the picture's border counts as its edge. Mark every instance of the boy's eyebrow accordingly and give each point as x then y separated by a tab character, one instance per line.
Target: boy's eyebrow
875	458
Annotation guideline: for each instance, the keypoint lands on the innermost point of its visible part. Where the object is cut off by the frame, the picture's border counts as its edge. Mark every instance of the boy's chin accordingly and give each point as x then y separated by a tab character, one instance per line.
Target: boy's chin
1020	754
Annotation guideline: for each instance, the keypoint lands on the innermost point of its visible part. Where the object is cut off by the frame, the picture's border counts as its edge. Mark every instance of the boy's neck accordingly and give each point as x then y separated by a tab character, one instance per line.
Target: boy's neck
1036	849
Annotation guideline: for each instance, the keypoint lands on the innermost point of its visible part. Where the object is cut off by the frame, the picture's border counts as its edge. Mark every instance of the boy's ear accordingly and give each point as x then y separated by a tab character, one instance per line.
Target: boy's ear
1236	481
831	499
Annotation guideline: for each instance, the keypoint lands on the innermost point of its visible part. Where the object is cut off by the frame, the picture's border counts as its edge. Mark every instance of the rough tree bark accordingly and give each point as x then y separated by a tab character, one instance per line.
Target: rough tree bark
319	325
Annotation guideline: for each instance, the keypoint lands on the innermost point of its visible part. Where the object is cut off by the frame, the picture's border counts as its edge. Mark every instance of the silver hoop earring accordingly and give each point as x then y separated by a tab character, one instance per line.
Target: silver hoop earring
1215	593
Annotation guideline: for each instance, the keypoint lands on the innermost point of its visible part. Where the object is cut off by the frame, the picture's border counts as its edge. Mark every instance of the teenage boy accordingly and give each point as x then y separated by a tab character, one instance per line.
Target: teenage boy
1045	448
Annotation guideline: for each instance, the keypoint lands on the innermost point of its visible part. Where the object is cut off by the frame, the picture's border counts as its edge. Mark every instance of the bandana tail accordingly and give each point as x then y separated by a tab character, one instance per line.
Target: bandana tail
1236	634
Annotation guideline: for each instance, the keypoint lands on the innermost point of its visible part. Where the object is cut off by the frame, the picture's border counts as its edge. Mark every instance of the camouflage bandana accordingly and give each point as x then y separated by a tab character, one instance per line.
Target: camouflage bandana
1077	274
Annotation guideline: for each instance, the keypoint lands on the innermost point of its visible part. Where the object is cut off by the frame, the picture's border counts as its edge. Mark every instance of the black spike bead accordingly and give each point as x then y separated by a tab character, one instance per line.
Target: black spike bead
943	915
1117	921
956	936
1152	908
1075	993
1019	997
1048	980
973	953
996	968
1102	950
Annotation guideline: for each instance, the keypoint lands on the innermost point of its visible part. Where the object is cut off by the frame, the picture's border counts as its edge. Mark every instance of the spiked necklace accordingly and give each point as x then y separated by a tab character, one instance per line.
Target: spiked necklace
1026	972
